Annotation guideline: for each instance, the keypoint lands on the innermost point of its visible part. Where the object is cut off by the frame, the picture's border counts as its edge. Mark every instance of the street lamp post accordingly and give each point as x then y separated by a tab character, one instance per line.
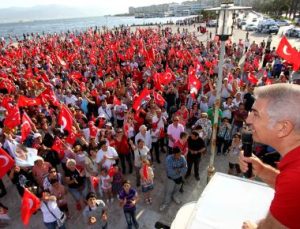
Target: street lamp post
224	31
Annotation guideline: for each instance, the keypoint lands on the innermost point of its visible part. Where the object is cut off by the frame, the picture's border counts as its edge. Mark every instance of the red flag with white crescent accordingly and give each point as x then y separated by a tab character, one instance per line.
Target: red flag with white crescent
65	119
138	101
6	162
286	51
48	95
13	118
30	204
159	100
26	126
24	101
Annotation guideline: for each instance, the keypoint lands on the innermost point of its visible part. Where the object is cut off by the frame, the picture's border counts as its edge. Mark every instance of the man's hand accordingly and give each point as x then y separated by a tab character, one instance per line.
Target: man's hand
249	225
257	164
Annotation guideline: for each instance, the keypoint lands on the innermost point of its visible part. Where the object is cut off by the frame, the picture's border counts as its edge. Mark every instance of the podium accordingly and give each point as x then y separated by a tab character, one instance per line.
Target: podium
226	202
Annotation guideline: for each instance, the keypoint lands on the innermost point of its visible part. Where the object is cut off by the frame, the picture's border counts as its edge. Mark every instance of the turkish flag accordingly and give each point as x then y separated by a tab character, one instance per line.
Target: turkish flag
6	162
252	78
6	102
49	96
24	101
286	51
111	171
116	101
194	84
75	76
8	85
65	119
13	118
167	77
138	101
26	126
94	181
30	204
111	84
156	81
159	100
58	146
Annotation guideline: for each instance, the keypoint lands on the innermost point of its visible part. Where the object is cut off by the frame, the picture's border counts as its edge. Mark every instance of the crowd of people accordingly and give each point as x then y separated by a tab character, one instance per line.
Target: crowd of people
101	105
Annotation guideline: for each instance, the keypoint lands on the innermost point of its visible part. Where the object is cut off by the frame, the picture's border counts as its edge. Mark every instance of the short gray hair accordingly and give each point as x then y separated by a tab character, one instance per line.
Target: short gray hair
283	102
70	162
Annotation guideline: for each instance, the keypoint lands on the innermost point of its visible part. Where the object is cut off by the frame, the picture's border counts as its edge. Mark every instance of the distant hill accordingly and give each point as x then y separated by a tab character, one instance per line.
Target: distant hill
43	12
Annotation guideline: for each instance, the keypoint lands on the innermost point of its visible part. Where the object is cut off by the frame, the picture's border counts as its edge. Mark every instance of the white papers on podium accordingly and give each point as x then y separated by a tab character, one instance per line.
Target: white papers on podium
226	202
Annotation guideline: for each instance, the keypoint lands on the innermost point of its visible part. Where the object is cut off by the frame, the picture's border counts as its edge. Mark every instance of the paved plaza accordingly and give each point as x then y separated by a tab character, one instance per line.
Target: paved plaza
147	214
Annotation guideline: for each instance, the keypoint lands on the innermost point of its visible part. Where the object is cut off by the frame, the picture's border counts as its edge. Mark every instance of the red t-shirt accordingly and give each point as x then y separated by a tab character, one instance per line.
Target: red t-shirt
285	206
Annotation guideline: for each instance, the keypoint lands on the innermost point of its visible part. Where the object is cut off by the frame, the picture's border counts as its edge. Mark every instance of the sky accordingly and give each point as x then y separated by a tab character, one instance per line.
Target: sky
110	6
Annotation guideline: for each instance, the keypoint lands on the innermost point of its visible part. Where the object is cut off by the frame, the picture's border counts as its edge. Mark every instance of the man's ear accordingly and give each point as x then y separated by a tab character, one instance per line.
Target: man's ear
284	128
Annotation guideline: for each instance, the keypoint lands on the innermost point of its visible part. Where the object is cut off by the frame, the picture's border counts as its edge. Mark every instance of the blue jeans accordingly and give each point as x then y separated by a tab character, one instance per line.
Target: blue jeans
131	218
53	225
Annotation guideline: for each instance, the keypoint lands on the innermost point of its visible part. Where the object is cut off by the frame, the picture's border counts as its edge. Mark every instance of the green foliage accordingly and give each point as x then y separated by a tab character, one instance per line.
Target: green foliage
208	15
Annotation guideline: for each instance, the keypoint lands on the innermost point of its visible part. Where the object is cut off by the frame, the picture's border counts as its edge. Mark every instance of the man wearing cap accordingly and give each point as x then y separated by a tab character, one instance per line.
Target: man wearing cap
106	110
95	213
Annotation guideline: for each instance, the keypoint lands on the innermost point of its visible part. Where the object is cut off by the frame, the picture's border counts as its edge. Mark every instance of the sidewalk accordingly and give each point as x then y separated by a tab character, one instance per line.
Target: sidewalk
147	215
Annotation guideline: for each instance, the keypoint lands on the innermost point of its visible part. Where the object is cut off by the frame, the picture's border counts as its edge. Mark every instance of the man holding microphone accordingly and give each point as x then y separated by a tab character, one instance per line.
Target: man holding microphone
275	121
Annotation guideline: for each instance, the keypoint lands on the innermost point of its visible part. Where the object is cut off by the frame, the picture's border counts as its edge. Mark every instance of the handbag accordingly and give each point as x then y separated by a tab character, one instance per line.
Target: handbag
60	221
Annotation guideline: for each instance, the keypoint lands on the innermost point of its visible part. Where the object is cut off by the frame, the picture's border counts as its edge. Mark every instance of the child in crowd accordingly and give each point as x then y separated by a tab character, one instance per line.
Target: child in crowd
233	155
106	185
117	181
147	177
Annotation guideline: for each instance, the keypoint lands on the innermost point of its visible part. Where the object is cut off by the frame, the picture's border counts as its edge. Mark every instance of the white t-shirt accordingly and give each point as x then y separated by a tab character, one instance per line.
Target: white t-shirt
70	100
106	111
119	111
140	155
110	153
147	138
47	216
175	133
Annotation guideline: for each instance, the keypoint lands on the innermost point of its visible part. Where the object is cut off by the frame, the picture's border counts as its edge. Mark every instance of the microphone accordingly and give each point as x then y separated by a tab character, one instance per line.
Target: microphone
247	142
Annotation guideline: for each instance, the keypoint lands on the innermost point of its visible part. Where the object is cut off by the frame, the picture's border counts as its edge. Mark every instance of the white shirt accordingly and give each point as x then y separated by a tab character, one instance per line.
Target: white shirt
175	133
119	111
70	100
47	216
140	155
105	111
110	153
86	134
147	138
226	110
